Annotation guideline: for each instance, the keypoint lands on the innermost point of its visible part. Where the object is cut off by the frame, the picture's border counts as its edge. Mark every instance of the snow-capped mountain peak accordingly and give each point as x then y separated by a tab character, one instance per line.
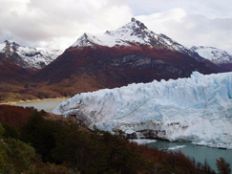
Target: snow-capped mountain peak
133	33
134	28
86	40
27	57
138	24
8	47
215	55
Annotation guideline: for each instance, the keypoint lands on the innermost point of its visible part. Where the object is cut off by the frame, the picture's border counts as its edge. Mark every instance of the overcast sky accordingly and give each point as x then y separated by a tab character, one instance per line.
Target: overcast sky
58	23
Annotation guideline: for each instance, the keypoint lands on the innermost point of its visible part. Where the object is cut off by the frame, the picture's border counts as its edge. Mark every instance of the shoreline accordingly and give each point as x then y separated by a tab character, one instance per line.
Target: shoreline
31	100
46	104
150	141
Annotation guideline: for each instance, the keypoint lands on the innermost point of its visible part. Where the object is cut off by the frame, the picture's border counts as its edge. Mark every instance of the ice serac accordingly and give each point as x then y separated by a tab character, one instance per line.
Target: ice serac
197	109
215	55
27	57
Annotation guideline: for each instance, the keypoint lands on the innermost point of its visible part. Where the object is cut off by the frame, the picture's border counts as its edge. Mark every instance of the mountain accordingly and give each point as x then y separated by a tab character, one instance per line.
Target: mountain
215	55
130	34
18	64
12	72
196	109
130	54
26	57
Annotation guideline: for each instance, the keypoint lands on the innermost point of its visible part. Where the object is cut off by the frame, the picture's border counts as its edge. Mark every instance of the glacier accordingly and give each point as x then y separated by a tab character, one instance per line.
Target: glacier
196	109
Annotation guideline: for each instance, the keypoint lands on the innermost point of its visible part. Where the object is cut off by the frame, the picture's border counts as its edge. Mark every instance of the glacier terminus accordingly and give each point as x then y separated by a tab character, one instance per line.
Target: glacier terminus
196	109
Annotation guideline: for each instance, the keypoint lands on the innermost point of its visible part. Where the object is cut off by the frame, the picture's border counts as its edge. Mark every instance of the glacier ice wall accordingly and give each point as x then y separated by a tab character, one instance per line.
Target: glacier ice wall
197	109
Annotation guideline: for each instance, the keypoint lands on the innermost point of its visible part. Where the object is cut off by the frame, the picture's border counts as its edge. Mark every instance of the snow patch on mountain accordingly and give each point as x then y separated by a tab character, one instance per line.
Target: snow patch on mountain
197	109
28	57
2	46
132	33
215	55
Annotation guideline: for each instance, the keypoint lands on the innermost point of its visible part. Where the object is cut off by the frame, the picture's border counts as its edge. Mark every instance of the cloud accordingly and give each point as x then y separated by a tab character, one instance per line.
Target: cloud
191	29
209	8
41	22
58	23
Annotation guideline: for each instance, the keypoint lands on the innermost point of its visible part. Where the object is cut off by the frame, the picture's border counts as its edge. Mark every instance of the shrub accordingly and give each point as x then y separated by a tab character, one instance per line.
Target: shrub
39	133
223	166
2	130
15	156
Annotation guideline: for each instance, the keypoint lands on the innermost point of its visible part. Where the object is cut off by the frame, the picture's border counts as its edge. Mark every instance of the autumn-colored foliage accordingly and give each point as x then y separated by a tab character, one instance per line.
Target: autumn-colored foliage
14	116
223	166
49	144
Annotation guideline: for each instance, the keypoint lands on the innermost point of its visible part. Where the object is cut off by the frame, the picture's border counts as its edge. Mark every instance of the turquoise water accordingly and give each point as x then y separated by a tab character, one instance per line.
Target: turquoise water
199	153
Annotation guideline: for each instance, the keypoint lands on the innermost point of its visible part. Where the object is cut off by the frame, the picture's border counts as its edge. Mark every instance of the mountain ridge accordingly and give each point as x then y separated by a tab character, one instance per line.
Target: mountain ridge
27	57
121	50
130	54
216	55
134	32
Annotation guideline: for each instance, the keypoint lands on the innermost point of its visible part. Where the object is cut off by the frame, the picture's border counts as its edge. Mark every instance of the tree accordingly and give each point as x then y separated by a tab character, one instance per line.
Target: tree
223	166
2	130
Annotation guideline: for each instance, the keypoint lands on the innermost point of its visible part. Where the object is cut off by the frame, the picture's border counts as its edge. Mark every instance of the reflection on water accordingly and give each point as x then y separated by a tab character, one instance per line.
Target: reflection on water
45	104
199	153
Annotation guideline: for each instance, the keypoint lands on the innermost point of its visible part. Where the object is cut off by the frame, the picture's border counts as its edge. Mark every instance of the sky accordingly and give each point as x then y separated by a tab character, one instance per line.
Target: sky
56	24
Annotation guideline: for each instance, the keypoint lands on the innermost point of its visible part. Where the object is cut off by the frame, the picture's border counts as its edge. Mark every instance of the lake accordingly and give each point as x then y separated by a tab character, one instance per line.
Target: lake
199	153
45	104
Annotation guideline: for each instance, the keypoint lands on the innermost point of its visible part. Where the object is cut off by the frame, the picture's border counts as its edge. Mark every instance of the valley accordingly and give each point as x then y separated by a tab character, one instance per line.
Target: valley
89	103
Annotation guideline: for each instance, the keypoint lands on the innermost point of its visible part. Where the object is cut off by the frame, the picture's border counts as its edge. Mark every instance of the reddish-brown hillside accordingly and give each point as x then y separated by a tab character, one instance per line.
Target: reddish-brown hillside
14	116
117	66
10	71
